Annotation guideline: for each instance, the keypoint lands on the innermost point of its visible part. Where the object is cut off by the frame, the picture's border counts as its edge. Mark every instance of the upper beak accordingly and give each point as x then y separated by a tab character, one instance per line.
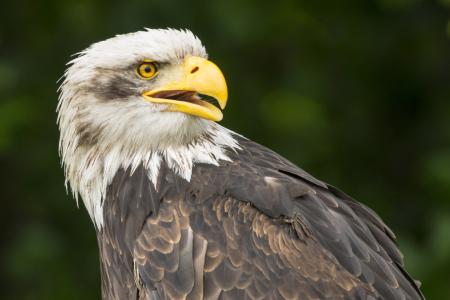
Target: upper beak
200	77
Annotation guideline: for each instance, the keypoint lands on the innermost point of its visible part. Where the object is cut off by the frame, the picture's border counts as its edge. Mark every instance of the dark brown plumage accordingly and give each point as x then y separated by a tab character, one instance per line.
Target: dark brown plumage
255	228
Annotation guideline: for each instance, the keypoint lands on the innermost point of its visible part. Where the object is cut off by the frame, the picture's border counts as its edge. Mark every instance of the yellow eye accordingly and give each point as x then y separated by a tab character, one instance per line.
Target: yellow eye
146	70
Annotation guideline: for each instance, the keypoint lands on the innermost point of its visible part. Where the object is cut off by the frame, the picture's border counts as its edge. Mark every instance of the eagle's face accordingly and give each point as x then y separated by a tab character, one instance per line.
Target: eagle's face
139	90
132	100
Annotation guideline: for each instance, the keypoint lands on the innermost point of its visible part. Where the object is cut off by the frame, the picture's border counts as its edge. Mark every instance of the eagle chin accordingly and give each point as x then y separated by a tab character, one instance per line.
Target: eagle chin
187	209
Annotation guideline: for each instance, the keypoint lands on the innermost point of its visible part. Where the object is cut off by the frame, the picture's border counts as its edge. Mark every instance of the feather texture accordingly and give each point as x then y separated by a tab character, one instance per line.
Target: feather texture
245	229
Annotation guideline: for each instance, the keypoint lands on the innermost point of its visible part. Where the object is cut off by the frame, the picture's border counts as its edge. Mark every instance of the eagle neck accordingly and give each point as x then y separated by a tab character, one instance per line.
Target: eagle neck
90	171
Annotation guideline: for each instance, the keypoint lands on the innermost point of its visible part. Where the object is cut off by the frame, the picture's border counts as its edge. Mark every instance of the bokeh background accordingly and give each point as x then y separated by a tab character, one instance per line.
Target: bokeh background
355	92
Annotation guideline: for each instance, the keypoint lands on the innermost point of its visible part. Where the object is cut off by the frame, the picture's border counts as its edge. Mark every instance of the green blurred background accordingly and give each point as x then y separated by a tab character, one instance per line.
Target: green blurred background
355	92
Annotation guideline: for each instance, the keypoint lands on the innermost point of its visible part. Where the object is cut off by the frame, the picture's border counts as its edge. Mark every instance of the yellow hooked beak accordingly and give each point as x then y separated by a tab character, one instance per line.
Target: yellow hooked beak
200	77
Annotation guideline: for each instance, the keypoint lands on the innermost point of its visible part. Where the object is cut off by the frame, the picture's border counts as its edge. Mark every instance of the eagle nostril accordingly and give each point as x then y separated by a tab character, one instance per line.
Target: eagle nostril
194	70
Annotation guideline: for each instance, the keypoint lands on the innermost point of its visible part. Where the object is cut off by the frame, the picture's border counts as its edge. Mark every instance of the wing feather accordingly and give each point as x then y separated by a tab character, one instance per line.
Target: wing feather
255	227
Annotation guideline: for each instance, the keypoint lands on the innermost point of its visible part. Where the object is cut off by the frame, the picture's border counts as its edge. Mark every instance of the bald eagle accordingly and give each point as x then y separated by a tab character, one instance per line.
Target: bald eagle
187	209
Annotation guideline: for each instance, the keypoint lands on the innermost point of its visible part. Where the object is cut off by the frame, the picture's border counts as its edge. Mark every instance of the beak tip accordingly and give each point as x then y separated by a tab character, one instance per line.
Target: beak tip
223	101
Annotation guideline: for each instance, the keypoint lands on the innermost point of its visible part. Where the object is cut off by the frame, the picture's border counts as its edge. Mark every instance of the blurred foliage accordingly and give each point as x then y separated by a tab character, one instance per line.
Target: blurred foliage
355	92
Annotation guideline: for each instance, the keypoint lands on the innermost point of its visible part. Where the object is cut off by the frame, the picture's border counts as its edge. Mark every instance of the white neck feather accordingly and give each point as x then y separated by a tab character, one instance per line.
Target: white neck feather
90	171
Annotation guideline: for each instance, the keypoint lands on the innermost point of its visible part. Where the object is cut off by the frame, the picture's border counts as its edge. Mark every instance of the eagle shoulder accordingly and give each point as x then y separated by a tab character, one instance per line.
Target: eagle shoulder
254	227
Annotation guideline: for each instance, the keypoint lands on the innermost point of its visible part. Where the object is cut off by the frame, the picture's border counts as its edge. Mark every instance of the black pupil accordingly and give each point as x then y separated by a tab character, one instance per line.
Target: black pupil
147	69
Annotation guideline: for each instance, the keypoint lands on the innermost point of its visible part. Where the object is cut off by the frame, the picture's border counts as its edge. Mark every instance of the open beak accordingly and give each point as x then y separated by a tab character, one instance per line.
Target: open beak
200	77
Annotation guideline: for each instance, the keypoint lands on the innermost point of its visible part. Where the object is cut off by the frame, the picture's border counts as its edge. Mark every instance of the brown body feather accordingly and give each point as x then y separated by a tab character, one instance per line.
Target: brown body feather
255	228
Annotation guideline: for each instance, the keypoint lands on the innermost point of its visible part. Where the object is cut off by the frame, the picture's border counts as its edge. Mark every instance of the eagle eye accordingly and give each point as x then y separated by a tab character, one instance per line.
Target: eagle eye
147	70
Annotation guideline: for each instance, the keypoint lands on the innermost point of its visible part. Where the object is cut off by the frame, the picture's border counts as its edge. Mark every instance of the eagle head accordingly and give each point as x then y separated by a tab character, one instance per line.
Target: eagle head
136	98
